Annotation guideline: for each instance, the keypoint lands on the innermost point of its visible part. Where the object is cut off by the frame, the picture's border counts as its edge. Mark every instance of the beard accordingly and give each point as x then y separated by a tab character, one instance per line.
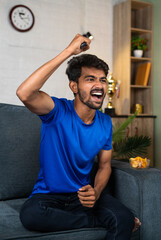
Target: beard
91	104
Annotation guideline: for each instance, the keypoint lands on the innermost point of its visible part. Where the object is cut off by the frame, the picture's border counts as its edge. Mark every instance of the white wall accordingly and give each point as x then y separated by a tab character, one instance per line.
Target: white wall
56	23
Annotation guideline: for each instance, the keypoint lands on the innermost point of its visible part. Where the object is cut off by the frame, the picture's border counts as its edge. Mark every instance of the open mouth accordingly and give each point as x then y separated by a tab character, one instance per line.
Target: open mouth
97	95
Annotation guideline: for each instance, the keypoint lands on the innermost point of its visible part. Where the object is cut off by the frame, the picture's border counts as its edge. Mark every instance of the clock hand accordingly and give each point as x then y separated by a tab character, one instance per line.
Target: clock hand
22	14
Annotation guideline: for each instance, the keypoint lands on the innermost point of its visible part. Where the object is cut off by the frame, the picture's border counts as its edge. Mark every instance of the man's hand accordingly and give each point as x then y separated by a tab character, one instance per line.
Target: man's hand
74	46
88	196
137	224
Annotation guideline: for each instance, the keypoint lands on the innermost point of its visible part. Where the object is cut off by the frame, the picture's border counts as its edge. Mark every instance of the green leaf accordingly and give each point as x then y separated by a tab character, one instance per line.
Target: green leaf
119	130
131	147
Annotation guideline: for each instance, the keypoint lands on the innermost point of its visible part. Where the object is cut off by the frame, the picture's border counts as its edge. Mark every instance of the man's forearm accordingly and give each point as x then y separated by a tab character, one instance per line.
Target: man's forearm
37	79
101	179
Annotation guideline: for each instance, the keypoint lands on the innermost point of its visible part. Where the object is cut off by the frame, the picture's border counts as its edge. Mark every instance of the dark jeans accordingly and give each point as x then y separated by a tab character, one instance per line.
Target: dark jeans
47	213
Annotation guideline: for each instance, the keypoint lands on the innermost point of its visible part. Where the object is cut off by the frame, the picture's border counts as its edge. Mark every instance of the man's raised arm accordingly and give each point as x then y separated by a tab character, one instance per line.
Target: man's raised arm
29	91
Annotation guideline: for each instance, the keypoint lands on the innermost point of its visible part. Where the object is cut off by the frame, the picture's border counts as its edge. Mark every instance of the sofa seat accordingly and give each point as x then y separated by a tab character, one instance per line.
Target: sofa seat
10	221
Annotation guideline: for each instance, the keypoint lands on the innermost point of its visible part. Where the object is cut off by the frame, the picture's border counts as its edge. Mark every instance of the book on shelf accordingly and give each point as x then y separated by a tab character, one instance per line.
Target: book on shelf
142	74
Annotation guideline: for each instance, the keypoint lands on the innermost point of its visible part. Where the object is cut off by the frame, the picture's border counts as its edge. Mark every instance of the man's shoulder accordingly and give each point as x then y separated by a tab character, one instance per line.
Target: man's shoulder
62	101
104	120
103	116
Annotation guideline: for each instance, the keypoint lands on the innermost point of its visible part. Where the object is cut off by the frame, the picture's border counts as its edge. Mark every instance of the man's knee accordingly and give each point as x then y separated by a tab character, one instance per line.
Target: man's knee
126	219
120	214
30	215
26	217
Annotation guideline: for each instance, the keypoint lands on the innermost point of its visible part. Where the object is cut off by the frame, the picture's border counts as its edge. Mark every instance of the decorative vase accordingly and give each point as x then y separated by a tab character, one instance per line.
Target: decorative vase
138	53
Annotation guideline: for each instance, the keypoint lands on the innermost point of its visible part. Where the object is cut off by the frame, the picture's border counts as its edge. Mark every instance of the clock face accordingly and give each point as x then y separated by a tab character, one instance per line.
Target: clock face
22	18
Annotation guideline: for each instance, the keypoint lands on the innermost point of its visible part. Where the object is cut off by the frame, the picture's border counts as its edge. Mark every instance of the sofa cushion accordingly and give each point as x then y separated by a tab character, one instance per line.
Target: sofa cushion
19	151
11	227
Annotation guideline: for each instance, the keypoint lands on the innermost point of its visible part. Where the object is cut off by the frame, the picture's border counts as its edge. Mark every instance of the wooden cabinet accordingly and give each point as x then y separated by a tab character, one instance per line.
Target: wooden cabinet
131	18
140	126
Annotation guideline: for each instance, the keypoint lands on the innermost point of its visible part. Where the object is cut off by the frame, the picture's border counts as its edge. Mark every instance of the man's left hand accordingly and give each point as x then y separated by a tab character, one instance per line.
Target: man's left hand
88	196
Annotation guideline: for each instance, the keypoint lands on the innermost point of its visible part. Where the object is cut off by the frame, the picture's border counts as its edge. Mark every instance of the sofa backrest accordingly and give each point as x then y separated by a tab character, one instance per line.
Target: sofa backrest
19	151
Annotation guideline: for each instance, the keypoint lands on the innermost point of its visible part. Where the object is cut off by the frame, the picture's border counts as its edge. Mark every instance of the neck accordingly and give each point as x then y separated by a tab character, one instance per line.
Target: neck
84	112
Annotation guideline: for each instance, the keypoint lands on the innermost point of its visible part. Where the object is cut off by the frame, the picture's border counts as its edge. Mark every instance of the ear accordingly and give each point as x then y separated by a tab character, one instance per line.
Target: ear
73	86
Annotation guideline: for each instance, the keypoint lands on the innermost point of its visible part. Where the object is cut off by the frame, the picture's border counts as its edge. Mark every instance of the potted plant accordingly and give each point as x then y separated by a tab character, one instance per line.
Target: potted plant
126	147
138	45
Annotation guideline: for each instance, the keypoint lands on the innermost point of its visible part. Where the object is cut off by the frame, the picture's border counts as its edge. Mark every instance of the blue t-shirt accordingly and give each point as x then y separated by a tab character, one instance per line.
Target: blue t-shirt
68	148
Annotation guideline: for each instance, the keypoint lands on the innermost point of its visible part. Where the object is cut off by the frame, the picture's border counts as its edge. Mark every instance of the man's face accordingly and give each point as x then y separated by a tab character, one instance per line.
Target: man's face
92	87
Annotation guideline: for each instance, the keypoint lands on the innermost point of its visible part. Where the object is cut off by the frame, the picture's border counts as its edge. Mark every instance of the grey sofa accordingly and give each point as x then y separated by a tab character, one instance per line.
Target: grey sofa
19	152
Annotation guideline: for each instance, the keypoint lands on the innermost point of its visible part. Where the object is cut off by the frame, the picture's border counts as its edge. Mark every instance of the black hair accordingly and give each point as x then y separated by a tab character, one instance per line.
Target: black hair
75	65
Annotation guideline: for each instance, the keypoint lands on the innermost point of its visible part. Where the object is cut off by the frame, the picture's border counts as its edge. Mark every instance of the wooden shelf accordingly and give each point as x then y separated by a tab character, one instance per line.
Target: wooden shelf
140	86
135	59
139	30
131	114
133	18
143	115
141	16
137	20
136	5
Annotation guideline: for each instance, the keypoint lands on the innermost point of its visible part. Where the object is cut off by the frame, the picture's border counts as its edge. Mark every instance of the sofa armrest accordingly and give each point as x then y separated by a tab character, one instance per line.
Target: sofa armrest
140	191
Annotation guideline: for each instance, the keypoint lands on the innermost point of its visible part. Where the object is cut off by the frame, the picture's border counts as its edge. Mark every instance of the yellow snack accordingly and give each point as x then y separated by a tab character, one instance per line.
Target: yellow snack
139	162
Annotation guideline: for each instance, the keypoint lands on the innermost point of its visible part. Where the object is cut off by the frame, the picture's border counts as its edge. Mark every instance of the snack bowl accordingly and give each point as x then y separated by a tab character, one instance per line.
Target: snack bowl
139	163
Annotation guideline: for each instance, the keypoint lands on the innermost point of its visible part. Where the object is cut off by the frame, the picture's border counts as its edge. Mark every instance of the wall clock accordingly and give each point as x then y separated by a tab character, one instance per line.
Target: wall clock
21	18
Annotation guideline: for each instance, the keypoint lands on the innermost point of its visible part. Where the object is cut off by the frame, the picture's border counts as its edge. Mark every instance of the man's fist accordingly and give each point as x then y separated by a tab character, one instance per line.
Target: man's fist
87	196
74	46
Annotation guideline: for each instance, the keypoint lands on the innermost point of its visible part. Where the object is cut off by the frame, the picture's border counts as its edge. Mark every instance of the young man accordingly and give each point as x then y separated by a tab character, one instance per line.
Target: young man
73	133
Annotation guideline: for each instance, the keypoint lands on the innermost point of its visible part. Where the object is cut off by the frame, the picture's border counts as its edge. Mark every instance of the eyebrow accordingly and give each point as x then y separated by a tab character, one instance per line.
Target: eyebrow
93	77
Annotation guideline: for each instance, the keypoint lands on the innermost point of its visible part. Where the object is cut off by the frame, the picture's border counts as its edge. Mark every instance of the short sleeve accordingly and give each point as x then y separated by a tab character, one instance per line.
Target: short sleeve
108	145
55	112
